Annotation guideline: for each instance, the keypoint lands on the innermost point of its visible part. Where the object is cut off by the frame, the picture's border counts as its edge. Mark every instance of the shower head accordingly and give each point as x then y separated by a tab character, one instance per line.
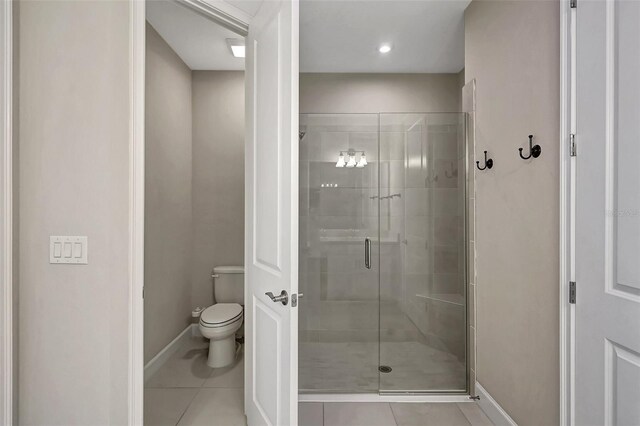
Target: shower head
301	136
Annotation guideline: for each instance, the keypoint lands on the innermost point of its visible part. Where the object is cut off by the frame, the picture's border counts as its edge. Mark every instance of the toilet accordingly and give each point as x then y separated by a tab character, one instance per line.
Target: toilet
220	322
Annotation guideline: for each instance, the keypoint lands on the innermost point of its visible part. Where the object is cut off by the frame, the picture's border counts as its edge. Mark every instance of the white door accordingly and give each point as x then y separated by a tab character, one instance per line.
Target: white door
607	364
271	205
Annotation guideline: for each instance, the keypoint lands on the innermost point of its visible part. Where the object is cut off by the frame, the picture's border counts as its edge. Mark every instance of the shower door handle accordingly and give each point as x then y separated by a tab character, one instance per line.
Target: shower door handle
367	253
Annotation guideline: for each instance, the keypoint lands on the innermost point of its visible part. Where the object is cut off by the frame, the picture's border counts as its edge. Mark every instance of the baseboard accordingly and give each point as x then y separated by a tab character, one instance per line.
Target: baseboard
195	330
157	361
492	409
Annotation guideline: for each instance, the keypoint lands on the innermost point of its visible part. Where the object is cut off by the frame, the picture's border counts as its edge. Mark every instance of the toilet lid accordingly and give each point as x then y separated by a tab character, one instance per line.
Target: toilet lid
221	314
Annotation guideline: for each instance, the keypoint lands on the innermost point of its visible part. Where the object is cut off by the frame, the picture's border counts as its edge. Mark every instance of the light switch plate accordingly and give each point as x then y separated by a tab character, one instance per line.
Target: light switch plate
67	249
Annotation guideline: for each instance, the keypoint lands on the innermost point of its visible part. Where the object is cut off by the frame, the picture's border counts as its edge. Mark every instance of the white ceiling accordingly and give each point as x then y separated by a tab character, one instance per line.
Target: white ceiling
250	7
427	36
343	36
199	42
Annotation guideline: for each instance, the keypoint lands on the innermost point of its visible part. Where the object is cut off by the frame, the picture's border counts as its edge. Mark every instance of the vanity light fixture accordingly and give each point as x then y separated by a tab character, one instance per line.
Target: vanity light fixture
362	161
236	45
384	48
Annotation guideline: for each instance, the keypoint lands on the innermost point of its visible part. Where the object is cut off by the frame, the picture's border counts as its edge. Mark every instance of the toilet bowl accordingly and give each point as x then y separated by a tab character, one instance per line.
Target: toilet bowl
219	323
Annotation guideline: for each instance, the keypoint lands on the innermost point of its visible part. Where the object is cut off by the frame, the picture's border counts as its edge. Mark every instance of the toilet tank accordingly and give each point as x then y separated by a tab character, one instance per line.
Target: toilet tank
228	284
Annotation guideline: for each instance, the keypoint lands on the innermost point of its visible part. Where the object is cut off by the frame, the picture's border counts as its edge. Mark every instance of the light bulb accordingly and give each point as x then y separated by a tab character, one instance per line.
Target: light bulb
363	161
352	161
340	162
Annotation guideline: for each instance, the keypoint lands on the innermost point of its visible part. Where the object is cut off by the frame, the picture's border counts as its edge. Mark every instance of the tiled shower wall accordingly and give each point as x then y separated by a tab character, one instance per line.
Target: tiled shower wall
423	160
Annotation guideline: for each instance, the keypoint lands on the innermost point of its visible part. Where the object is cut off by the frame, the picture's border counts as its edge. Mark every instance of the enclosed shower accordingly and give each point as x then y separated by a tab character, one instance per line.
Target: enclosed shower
382	257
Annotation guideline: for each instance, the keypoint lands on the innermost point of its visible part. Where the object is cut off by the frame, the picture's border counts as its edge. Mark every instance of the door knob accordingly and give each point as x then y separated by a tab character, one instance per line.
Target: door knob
283	297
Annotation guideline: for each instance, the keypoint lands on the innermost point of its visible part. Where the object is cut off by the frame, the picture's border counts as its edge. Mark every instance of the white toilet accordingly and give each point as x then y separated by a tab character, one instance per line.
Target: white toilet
220	322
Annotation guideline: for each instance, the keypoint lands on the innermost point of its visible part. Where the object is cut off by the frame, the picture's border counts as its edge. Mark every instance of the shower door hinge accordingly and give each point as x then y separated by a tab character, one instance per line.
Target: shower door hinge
572	145
572	292
573	3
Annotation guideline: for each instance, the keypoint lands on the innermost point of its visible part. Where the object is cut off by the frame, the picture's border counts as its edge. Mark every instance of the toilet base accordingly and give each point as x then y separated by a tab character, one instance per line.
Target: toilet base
222	353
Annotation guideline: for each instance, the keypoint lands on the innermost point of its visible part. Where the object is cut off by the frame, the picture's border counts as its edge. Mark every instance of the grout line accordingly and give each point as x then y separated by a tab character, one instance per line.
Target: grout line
188	406
323	414
393	414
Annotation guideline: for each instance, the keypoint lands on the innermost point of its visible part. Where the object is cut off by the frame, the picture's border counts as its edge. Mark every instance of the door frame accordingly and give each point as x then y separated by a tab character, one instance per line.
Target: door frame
7	311
229	17
567	209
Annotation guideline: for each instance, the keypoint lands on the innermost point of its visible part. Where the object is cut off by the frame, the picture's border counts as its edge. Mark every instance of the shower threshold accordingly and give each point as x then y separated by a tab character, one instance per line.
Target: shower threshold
384	397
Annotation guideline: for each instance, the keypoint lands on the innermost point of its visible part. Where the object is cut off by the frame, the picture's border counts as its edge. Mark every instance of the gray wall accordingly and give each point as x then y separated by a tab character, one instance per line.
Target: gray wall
194	187
168	218
218	177
512	50
74	160
374	93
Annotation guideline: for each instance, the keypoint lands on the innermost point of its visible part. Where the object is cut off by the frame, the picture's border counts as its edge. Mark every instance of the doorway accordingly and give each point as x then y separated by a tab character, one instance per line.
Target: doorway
194	218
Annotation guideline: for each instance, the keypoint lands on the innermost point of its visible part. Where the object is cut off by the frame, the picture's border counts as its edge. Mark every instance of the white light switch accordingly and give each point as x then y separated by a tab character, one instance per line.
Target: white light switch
66	249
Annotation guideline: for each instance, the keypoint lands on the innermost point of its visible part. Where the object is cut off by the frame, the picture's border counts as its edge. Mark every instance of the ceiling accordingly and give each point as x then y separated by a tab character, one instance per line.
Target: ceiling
427	36
199	42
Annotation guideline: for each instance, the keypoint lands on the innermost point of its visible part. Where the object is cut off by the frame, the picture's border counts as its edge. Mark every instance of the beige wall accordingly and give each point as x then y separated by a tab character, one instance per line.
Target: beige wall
512	51
74	159
194	187
16	204
374	93
218	176
168	218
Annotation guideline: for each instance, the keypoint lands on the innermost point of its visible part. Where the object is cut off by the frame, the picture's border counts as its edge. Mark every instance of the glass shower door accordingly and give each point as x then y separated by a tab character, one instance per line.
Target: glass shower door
422	256
339	315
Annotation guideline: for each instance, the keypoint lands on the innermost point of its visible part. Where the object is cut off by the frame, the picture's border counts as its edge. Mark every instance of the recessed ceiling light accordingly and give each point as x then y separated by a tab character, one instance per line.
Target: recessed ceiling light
236	45
384	48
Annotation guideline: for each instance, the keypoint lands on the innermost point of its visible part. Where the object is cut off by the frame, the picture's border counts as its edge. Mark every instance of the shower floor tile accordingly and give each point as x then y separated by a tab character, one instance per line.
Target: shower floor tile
353	367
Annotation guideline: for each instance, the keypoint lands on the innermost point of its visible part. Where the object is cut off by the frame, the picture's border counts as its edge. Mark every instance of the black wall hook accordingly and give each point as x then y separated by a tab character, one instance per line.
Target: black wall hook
488	163
534	150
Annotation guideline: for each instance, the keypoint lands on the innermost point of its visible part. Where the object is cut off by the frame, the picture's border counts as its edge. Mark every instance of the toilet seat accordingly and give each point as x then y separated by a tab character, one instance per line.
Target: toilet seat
221	314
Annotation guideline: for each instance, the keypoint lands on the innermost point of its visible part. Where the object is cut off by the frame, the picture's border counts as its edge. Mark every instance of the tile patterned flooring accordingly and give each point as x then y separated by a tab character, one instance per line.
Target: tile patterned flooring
391	414
343	343
341	366
185	391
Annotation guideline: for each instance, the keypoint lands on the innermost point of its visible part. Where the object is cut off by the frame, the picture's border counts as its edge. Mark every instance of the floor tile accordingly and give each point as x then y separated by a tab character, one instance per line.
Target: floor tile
166	406
187	368
474	414
216	406
358	414
310	414
227	377
429	414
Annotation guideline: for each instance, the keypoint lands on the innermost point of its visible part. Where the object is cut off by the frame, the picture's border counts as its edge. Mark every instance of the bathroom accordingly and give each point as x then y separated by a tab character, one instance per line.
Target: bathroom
404	311
387	213
385	221
194	223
